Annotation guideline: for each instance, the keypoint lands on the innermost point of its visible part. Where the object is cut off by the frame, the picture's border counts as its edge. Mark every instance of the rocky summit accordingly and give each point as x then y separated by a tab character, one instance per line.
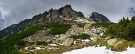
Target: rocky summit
99	17
64	12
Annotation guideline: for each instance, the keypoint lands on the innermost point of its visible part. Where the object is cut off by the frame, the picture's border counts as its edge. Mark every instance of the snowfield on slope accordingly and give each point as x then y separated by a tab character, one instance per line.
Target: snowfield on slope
99	50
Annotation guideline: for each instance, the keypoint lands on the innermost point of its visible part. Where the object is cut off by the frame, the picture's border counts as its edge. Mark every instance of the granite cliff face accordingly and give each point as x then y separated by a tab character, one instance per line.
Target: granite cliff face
99	17
63	14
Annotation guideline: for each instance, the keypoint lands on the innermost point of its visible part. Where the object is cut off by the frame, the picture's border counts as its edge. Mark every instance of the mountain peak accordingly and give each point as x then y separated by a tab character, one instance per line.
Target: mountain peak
99	17
95	13
67	6
63	12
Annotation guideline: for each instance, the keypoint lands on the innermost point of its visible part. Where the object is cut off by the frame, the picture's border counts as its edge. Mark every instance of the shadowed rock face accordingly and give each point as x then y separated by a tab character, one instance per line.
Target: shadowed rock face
99	17
61	14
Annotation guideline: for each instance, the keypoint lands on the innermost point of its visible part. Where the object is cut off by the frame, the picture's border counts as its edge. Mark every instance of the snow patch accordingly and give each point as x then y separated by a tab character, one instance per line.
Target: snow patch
99	50
86	40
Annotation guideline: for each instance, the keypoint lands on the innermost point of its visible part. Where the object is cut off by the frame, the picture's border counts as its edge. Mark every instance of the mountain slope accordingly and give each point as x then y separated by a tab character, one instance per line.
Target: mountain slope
56	20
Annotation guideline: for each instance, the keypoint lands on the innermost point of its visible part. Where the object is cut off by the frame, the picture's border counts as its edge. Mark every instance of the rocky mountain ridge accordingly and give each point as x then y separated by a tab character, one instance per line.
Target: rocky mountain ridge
64	14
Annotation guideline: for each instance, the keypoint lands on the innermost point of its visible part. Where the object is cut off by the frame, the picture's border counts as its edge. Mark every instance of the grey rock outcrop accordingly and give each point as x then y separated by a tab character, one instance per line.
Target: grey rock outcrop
39	36
67	42
62	37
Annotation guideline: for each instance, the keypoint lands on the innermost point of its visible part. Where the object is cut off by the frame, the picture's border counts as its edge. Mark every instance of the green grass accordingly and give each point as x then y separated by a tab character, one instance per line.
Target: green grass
58	28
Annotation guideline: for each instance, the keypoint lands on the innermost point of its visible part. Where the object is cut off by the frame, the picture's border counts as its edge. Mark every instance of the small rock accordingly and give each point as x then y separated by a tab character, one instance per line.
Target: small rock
60	44
56	36
54	45
48	41
75	42
86	40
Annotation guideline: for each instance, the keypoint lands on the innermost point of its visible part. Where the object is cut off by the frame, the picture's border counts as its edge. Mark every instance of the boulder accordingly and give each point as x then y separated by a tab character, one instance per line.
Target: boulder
112	41
94	39
48	40
55	41
68	42
74	30
119	46
62	37
57	36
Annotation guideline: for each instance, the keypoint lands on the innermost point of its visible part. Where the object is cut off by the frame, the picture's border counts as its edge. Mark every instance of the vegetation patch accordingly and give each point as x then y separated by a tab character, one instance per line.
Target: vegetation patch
16	38
42	43
125	29
105	25
57	28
